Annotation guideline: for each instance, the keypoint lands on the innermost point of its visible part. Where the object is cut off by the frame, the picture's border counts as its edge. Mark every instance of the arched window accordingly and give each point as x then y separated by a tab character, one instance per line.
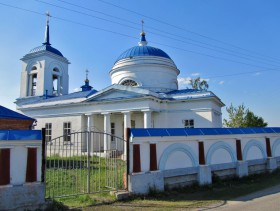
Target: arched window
56	69
56	78
129	83
33	84
34	68
55	85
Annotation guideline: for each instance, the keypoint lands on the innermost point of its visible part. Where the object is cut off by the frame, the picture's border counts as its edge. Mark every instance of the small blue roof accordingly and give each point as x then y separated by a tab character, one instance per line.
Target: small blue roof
46	48
74	95
29	135
6	113
184	91
141	132
142	51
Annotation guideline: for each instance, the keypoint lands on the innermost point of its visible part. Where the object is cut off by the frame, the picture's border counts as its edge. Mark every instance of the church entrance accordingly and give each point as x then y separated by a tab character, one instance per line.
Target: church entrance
84	162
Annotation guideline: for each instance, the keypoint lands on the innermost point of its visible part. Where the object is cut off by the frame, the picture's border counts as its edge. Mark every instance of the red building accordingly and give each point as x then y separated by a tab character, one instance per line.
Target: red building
11	120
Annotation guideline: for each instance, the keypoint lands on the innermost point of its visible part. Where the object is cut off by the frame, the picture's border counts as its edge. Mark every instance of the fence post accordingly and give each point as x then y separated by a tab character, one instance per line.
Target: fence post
43	167
127	137
88	162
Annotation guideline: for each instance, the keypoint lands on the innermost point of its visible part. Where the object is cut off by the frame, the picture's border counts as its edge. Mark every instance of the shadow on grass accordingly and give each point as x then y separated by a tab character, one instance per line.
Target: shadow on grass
206	197
194	196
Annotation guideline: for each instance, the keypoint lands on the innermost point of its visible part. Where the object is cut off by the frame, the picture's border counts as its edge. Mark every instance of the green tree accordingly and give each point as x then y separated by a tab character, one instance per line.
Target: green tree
242	117
197	83
251	120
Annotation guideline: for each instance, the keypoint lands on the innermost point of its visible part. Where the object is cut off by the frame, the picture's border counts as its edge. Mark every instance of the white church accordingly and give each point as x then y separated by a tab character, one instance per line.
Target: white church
143	94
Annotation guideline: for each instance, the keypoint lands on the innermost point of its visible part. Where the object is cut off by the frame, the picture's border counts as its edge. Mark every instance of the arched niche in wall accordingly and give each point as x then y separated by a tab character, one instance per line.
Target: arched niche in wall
276	148
254	150
177	156
220	152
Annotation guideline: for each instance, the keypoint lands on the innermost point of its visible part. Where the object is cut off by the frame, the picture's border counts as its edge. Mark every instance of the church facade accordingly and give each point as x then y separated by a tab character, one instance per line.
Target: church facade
144	94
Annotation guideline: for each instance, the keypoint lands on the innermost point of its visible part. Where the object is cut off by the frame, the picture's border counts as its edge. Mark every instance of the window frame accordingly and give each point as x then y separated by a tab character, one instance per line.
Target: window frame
129	82
48	135
67	131
113	131
188	123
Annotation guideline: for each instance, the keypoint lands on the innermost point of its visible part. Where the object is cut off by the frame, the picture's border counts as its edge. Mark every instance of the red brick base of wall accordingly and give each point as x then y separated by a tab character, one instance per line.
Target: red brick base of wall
15	124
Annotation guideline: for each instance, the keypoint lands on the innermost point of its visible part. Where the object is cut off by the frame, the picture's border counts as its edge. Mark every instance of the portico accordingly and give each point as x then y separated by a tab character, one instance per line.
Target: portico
115	123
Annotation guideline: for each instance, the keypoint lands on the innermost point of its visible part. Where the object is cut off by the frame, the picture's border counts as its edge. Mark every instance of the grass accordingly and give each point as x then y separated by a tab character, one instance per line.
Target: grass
69	175
180	198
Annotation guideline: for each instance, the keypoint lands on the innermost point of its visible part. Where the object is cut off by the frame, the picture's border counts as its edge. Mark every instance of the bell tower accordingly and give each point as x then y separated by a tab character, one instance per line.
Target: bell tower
44	70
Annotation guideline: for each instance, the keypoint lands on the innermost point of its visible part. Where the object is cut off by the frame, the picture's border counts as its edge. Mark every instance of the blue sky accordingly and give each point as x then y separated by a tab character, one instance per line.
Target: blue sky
233	44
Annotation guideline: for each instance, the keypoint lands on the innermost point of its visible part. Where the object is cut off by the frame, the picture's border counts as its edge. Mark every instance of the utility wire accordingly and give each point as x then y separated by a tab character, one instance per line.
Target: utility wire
190	42
102	13
162	35
82	13
121	34
183	29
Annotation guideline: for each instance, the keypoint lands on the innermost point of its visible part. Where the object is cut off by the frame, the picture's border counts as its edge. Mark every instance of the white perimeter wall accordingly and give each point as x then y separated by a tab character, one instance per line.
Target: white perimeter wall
178	151
18	159
178	158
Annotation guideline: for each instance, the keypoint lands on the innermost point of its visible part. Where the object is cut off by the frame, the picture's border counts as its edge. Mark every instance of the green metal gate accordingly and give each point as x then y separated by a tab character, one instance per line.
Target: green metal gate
84	162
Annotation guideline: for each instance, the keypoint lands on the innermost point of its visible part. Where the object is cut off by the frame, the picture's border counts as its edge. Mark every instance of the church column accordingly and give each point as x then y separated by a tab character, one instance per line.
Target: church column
107	129
127	124
88	128
147	118
90	122
127	120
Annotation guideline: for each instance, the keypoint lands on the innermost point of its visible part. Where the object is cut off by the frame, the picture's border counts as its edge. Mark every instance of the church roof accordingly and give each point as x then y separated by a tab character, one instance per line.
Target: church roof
6	113
74	95
142	51
184	91
118	92
46	48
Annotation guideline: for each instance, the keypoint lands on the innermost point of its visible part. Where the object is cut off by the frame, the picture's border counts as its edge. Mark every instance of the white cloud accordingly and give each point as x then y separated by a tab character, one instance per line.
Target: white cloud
183	81
257	73
204	79
195	74
77	89
221	82
186	81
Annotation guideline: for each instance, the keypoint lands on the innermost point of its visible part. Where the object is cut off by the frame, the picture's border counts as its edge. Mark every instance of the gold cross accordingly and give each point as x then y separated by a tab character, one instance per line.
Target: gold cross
142	25
48	16
87	74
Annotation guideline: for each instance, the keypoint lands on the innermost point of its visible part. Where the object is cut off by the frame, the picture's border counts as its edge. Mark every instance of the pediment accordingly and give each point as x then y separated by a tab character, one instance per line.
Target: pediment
118	92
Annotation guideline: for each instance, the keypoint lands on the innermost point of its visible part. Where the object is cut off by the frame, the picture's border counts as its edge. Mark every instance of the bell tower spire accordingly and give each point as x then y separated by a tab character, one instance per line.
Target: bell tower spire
44	70
47	32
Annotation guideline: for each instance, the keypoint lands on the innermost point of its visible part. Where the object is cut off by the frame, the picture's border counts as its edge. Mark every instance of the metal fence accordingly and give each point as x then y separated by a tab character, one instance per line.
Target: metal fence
84	162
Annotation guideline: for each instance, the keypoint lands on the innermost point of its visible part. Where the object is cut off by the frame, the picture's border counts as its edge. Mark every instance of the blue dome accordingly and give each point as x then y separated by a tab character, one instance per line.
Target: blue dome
142	51
46	48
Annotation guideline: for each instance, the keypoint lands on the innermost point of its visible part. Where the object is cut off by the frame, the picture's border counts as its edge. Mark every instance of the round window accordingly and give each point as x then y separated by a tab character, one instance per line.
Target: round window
129	83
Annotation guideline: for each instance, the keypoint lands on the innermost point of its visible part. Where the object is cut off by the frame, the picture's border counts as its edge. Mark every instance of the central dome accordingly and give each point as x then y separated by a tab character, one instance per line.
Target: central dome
142	51
145	67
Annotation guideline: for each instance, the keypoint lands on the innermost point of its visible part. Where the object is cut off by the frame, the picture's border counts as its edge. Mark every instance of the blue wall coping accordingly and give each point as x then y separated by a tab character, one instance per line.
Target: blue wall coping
22	135
160	132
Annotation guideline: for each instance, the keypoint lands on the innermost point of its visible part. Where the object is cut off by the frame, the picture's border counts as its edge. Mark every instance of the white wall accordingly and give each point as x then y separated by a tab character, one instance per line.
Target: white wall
45	65
219	149
18	159
153	73
57	124
178	159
